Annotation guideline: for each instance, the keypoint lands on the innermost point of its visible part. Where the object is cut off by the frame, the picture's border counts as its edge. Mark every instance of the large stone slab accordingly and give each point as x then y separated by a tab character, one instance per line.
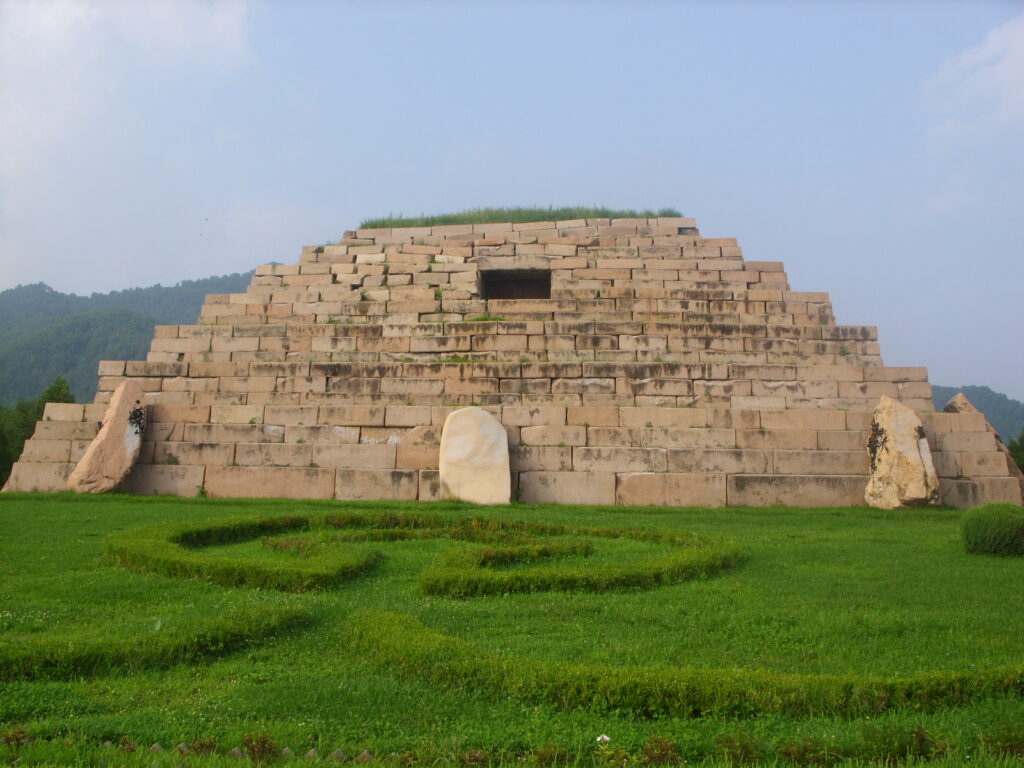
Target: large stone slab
474	458
902	472
112	453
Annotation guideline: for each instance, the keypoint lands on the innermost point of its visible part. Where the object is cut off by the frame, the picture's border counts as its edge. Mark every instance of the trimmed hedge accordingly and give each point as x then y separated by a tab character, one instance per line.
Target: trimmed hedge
398	641
463	574
82	654
994	529
173	550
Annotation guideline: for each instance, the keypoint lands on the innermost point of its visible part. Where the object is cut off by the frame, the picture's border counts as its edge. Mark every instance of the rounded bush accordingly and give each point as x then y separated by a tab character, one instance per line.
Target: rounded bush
994	529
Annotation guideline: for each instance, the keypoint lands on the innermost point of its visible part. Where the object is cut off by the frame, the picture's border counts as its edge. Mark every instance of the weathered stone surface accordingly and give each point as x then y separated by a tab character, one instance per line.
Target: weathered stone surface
902	472
567	487
473	459
660	371
115	448
959	403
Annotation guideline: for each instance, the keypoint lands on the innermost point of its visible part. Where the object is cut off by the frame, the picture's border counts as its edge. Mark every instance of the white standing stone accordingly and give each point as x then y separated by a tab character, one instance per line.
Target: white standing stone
902	472
474	458
112	453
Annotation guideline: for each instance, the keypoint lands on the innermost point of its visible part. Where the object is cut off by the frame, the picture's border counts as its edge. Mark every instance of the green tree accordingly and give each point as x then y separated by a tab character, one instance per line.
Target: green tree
19	422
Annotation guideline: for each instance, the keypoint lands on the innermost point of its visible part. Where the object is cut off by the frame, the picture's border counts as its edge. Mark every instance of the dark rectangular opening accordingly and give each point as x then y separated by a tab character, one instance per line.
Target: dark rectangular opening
515	284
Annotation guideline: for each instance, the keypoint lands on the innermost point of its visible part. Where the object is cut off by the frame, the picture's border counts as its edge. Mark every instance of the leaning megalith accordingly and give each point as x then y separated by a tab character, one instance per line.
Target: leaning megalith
113	452
474	458
902	472
629	361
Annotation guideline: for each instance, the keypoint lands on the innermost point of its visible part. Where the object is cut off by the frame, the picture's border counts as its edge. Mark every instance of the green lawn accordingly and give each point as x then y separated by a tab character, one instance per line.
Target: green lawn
91	652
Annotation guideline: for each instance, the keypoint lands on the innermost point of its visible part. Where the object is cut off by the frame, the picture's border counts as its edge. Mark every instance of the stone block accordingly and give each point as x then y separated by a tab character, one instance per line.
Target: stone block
614	437
366	484
236	414
273	455
414	456
795	490
233	433
963	494
968	442
593	416
676	418
946	464
288	415
63	412
66	430
567	487
382	435
270	482
687	438
321	434
821	462
358	456
54	451
559	436
183	453
785	439
600	459
671	489
180	414
533	415
430	485
841	441
991	464
804	419
352	415
37	476
546	458
163	480
722	461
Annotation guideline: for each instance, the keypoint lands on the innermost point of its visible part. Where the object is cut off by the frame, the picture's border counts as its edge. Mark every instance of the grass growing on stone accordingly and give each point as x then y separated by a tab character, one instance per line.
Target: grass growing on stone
858	593
515	215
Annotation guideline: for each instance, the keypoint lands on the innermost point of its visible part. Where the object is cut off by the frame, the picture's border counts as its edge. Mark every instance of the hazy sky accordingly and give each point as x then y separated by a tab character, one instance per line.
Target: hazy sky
877	148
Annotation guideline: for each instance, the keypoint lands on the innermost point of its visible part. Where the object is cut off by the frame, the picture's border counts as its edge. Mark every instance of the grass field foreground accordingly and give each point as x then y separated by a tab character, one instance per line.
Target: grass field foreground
854	592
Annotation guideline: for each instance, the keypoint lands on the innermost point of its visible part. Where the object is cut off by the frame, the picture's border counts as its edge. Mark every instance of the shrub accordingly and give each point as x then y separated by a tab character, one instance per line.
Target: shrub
994	529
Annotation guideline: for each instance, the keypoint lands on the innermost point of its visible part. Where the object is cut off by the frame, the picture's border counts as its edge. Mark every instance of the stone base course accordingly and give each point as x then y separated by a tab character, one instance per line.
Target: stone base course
664	369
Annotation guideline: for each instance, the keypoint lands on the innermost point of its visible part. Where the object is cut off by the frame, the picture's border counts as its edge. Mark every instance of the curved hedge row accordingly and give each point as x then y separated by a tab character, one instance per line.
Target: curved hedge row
399	641
464	572
171	550
175	550
69	655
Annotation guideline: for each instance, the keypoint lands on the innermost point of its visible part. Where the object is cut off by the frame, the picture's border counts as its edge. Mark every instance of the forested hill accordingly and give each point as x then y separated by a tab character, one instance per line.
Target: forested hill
45	333
1005	414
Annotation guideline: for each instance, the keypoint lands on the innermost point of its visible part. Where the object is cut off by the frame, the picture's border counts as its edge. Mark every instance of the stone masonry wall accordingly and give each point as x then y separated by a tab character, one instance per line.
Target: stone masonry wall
664	369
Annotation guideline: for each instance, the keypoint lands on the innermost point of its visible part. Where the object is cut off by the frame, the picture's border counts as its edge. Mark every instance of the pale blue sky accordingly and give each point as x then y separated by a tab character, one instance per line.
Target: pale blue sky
876	148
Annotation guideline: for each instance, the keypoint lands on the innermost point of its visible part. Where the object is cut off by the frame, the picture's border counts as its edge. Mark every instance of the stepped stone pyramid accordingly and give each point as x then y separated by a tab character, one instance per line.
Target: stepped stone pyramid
631	361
